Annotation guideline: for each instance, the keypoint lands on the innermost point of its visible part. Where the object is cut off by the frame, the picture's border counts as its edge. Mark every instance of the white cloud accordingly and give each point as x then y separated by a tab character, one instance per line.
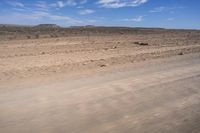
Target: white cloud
63	3
120	3
170	19
42	12
15	4
86	11
71	3
136	19
162	9
43	5
158	9
60	4
18	9
41	15
38	16
91	20
83	1
80	7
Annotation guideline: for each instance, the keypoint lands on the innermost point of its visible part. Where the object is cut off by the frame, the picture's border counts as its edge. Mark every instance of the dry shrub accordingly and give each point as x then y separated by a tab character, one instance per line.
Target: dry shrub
37	36
28	37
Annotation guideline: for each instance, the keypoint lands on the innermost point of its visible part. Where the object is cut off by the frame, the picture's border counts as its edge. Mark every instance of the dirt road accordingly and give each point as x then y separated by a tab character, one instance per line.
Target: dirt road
161	96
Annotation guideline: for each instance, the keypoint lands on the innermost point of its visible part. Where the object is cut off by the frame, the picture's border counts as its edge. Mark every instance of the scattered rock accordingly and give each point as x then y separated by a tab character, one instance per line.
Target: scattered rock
141	43
103	65
43	52
180	53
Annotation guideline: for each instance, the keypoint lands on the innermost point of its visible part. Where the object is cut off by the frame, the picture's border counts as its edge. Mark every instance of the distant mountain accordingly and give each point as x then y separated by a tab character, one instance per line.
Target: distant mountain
55	26
86	26
47	26
14	25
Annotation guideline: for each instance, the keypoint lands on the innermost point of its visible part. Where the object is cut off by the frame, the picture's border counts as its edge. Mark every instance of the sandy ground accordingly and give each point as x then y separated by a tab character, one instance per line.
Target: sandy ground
22	59
158	96
104	84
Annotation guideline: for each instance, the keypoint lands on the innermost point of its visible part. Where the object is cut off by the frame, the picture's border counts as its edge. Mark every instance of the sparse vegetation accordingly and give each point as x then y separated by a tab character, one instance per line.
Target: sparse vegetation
28	37
37	36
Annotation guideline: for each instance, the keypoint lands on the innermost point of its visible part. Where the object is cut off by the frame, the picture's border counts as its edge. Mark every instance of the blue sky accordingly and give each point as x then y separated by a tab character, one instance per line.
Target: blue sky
133	13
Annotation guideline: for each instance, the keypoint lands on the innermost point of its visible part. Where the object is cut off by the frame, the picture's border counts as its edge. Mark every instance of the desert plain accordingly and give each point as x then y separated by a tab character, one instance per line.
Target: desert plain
99	79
